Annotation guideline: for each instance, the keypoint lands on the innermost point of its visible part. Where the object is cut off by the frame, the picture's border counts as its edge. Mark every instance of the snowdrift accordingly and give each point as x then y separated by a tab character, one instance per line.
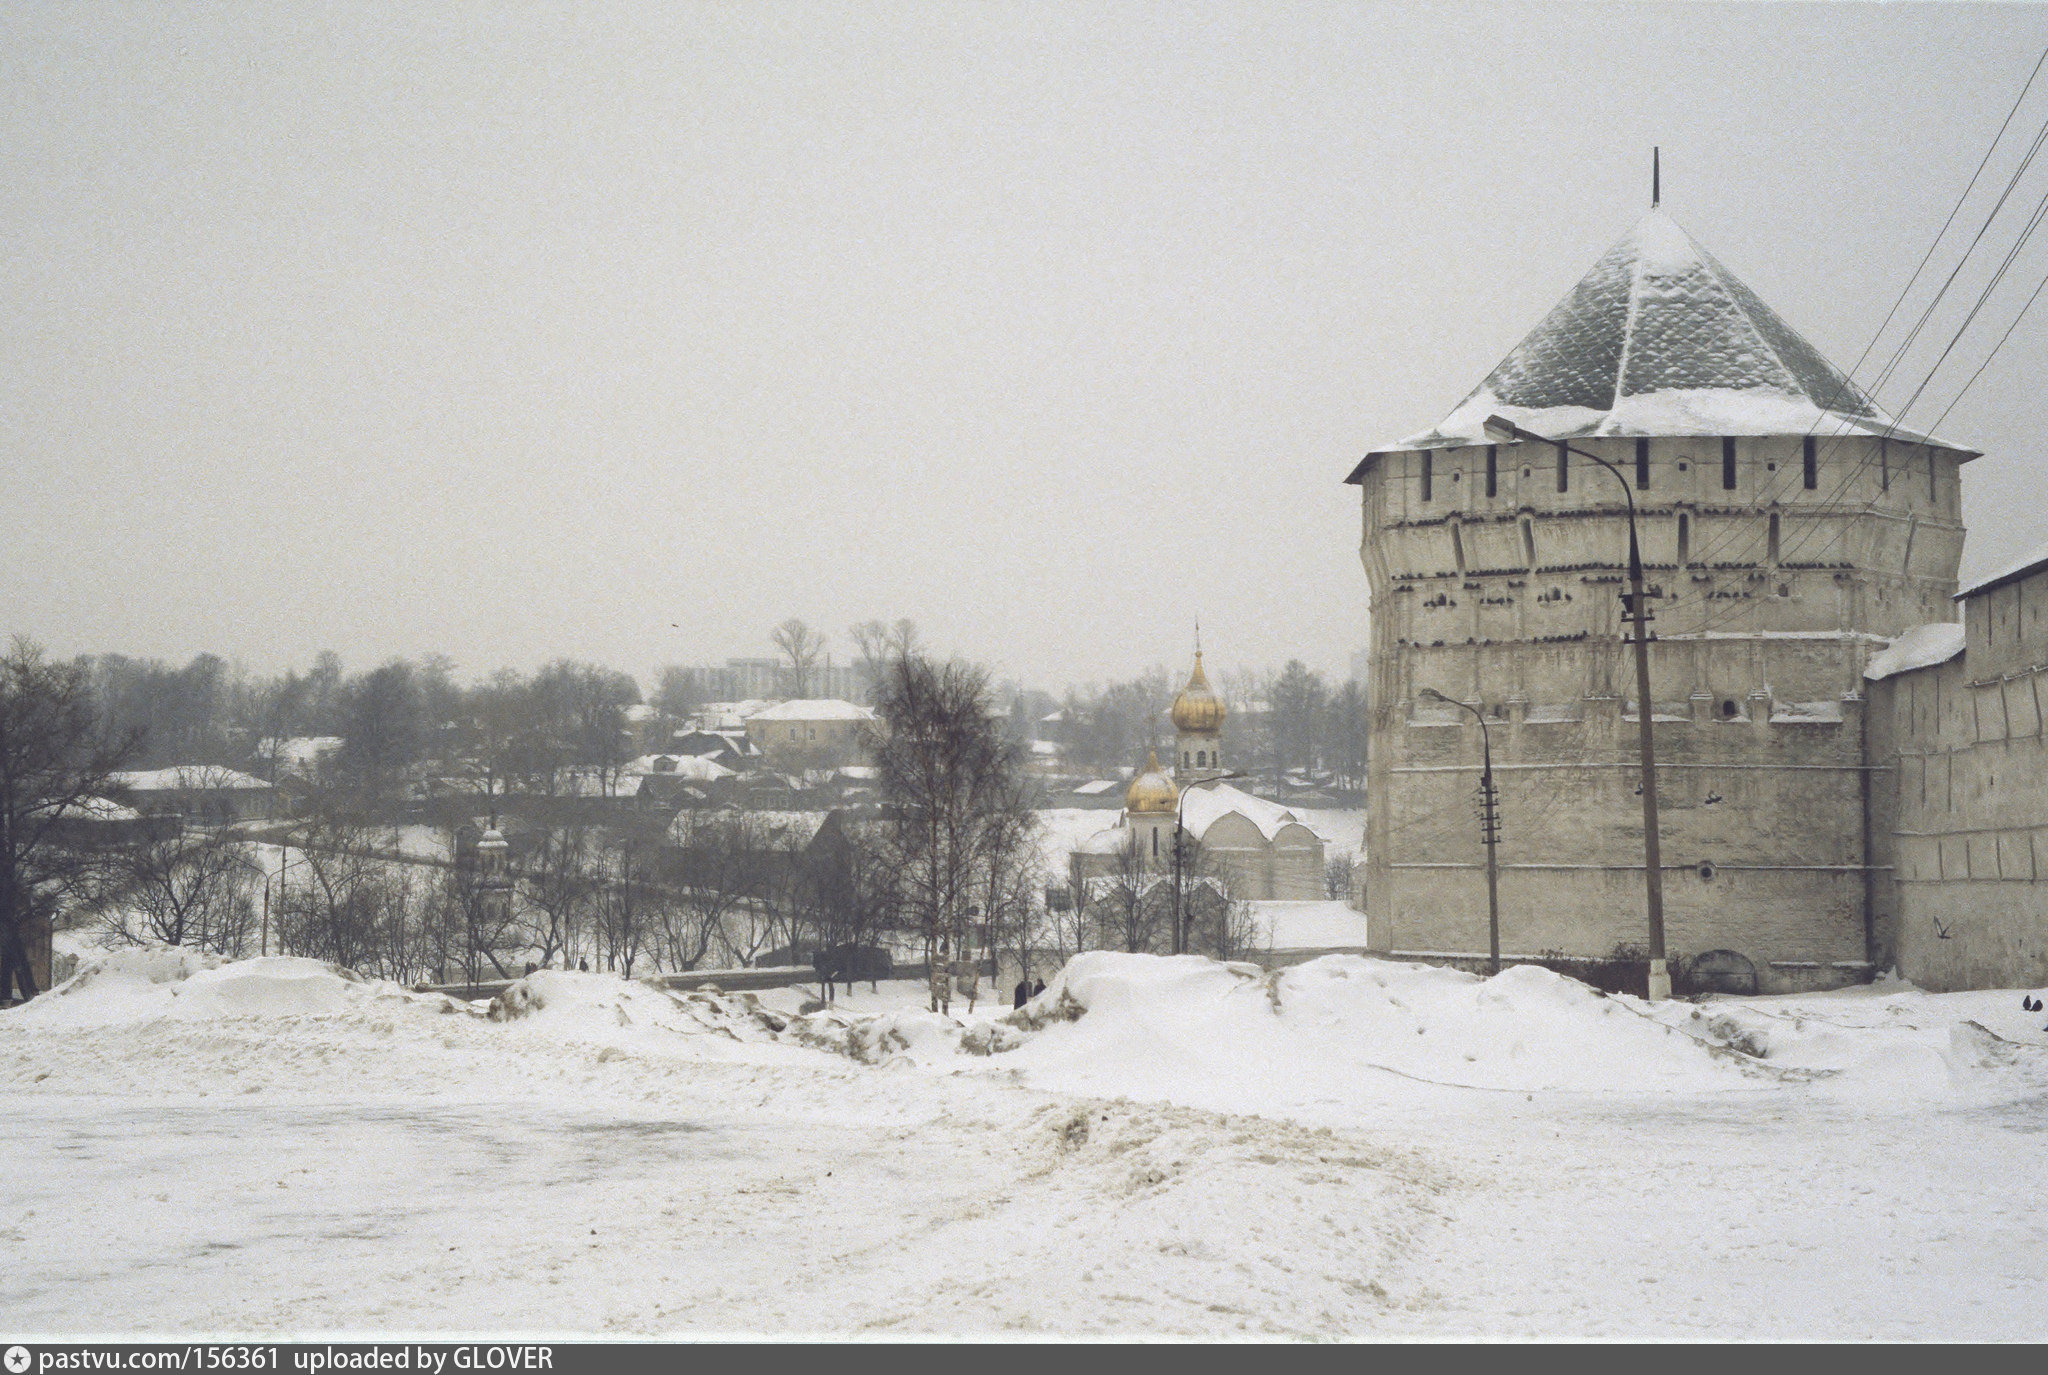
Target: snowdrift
1236	1038
628	1015
153	983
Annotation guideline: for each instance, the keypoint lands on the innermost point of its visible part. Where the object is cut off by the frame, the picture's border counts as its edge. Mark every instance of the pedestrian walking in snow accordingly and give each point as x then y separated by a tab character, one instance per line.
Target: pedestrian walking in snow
1022	995
1038	988
942	988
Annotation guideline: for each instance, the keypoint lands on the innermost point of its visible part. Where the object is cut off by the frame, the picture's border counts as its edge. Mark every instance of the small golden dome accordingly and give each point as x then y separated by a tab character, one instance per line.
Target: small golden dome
1198	710
1151	791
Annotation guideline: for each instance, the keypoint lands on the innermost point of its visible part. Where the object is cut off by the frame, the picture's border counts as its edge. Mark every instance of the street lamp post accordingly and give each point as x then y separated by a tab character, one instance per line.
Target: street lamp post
1180	935
1503	430
1489	821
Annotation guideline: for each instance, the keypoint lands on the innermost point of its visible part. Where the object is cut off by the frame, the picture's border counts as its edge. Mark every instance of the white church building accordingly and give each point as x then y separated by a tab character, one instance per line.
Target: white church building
1259	849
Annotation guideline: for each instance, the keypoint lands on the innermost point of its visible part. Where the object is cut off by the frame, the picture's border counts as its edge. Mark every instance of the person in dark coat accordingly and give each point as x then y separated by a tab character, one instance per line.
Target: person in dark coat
1023	993
583	965
1038	988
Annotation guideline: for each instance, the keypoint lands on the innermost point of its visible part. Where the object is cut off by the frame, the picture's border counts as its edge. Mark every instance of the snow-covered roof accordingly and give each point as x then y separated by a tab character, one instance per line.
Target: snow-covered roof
96	809
1921	647
1661	339
1095	788
1106	841
2032	561
814	709
185	778
691	766
772	829
1203	807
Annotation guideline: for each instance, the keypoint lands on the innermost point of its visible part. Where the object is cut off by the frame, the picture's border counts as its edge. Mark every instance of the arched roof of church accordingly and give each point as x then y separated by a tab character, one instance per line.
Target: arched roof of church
1660	339
1206	805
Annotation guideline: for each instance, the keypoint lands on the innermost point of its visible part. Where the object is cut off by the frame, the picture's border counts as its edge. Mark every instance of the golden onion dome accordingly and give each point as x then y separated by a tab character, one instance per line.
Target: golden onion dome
1198	709
1151	791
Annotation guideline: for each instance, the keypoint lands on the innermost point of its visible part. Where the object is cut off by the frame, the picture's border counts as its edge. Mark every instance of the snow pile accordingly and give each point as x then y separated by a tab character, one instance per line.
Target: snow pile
1921	647
1888	1039
152	983
1341	1029
915	1035
560	1004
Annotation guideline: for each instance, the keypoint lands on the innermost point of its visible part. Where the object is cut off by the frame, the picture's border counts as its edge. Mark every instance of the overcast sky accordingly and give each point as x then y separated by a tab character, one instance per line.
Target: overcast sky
626	332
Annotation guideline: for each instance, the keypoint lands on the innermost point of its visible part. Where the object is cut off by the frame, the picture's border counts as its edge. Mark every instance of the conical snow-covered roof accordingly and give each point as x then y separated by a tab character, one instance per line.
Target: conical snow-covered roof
1659	339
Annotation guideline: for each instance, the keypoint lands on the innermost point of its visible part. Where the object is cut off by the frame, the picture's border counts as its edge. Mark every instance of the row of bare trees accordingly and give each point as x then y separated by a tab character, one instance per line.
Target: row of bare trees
1280	720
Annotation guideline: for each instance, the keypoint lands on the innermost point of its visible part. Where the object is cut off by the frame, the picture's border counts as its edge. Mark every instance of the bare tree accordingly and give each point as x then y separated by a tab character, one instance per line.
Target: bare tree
556	887
679	691
1347	735
719	882
881	643
949	780
55	759
1133	902
626	903
341	901
1337	875
802	647
188	889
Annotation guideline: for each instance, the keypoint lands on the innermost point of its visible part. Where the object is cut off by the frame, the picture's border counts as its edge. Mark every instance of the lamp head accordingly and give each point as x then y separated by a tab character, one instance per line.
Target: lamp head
1431	695
1500	429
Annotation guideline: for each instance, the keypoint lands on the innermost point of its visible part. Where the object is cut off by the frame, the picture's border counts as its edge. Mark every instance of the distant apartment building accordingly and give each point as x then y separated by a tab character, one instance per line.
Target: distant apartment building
739	679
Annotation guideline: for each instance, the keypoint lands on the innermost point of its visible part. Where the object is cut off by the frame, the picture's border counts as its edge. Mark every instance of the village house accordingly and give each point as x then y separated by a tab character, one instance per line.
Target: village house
810	733
204	794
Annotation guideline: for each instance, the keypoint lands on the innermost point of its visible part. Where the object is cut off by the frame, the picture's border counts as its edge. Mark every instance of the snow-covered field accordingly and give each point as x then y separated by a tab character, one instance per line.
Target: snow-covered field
1156	1146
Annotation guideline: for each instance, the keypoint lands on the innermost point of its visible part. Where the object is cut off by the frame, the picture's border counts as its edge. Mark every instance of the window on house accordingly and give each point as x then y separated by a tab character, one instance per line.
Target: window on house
1564	480
1811	460
1728	464
1774	537
1428	472
1155	842
1932	495
1642	465
1492	470
1529	541
1884	463
1458	547
1684	540
1728	707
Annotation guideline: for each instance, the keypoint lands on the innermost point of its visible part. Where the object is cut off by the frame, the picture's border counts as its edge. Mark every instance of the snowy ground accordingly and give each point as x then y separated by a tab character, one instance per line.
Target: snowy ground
1349	1148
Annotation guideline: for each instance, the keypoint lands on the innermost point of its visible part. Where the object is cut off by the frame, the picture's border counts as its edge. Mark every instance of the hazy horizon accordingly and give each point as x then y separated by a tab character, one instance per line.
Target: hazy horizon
626	335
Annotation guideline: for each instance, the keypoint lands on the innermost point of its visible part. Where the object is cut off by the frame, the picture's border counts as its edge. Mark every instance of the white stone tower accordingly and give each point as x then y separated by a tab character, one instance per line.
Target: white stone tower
1788	527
